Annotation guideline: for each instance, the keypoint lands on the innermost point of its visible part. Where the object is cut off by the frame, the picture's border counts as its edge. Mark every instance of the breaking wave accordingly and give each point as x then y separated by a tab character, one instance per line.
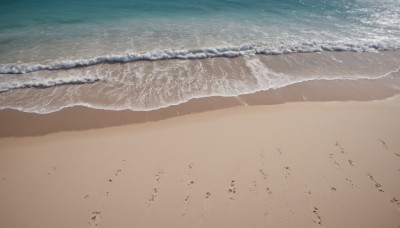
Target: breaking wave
47	83
229	51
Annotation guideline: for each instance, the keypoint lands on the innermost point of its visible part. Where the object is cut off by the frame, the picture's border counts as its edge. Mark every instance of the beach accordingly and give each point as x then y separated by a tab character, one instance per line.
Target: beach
204	113
298	164
317	147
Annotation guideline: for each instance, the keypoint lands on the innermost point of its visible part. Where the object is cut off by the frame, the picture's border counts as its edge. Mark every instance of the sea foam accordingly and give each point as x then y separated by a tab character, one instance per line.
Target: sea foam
229	51
47	83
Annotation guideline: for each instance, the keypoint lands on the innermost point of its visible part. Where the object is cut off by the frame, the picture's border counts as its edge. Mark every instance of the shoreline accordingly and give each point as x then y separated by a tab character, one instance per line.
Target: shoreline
144	86
20	124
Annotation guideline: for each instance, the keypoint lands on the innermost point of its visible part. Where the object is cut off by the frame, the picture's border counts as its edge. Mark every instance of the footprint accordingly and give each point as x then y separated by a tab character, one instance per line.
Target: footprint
158	175
351	162
269	192
279	151
254	187
351	182
208	195
377	185
53	170
154	195
287	171
341	149
336	164
384	144
331	156
86	196
118	172
262	170
232	191
264	174
317	219
188	190
205	204
95	219
333	189
395	201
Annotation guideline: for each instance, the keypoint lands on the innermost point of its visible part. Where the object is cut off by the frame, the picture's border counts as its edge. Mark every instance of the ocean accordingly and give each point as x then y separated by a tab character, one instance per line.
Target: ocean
148	54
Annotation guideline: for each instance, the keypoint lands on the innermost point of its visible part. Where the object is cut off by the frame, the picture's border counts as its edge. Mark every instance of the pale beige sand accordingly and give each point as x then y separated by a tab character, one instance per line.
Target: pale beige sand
322	164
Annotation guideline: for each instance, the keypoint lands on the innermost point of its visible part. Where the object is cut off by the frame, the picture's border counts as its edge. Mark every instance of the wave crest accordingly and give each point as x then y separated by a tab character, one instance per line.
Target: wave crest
48	83
229	51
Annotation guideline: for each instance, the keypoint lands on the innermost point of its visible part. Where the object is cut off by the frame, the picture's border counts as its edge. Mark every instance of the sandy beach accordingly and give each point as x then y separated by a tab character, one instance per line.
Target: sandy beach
186	114
302	164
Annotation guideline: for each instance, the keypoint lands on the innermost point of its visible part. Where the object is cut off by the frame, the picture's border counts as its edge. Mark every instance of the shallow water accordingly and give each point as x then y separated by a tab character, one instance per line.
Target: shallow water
143	55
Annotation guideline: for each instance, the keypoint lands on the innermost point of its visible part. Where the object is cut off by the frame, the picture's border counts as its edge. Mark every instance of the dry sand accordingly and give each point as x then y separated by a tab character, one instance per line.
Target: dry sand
306	164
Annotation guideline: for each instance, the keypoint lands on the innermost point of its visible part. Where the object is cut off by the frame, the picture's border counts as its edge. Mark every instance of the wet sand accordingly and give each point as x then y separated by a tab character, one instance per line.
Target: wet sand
300	164
19	124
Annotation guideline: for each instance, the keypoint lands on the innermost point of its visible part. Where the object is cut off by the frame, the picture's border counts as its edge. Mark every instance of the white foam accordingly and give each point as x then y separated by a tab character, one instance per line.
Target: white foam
146	87
46	82
259	71
45	109
229	51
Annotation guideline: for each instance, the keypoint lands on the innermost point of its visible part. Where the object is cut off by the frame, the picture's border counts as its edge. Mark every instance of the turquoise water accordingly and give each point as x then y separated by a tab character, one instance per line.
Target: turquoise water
41	35
25	13
39	31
